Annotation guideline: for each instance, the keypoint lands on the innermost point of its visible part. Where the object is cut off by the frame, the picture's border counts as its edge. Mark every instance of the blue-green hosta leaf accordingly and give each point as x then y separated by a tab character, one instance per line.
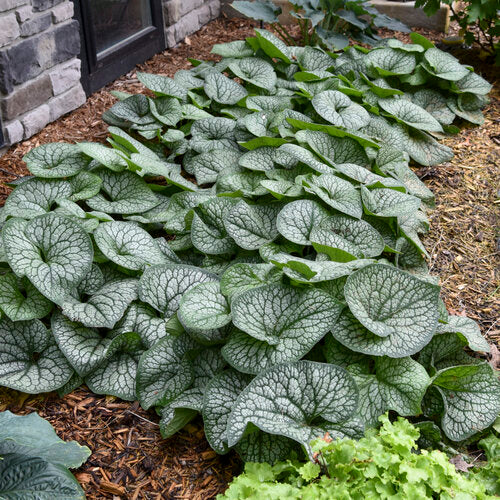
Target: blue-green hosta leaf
52	251
333	40
35	197
208	232
388	62
336	192
251	226
468	328
207	166
30	360
391	302
20	300
397	384
283	323
236	49
162	85
164	371
117	373
241	277
105	307
334	149
32	435
204	307
218	400
298	218
471	396
56	159
273	46
335	107
213	133
343	238
410	113
262	10
444	65
222	89
255	71
163	286
473	83
300	401
122	193
128	245
166	110
30	477
389	202
434	103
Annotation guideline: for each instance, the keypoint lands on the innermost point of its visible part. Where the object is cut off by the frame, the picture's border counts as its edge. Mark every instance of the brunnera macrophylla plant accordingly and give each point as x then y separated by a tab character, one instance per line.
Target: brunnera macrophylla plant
249	250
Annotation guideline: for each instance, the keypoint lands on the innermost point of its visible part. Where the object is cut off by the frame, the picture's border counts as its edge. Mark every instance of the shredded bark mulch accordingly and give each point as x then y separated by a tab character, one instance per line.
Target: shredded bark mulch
129	458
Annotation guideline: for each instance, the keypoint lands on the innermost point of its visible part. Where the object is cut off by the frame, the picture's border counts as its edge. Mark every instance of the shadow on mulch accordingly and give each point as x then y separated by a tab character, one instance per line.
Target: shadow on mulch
129	457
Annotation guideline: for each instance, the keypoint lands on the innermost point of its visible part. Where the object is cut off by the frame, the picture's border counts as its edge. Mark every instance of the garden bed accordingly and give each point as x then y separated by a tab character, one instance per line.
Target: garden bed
129	457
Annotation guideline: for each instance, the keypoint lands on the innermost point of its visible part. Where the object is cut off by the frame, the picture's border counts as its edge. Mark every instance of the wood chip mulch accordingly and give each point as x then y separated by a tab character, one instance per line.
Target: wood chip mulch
129	458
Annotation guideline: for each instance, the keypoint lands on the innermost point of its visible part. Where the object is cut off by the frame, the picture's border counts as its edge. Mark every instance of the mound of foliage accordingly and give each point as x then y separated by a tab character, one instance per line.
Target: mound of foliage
34	462
282	295
327	22
385	464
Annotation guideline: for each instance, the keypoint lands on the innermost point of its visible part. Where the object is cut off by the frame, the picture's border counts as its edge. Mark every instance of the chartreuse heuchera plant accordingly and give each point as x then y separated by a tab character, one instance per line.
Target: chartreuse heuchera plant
249	249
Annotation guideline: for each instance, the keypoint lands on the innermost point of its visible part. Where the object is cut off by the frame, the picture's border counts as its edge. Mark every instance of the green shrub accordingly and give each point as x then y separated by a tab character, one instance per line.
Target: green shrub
479	21
286	289
385	464
327	22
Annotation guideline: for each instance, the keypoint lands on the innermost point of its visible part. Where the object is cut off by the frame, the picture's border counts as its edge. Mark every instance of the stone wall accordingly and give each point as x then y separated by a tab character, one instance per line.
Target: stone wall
184	17
39	71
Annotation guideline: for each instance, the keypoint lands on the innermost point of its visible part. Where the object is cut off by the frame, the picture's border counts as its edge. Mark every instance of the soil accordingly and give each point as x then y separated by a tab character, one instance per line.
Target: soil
129	457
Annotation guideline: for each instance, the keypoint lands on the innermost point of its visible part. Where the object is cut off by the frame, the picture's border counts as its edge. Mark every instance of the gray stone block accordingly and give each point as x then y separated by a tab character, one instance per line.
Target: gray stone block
24	13
39	5
36	25
204	14
62	12
9	29
11	4
188	6
65	76
67	102
171	12
170	37
35	120
215	8
186	26
14	132
415	17
27	97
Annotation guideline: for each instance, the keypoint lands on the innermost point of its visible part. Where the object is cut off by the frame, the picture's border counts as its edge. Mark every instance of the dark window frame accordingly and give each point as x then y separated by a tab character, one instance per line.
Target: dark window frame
121	58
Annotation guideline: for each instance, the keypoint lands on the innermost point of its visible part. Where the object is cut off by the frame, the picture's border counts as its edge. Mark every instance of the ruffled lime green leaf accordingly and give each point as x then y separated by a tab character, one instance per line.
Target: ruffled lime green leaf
20	300
56	159
128	245
52	251
30	360
163	286
300	401
105	307
390	302
251	226
204	307
298	219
